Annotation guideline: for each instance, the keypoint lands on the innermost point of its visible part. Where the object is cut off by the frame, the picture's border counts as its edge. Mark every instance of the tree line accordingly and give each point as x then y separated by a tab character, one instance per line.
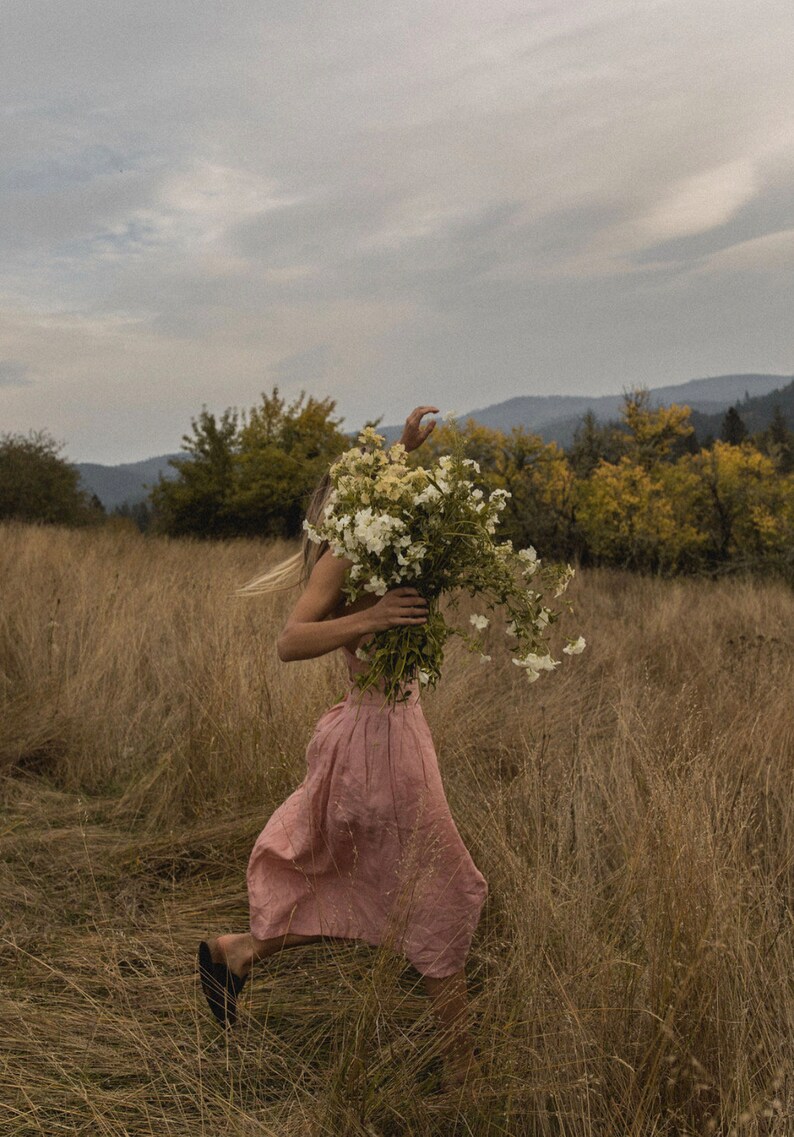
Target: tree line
638	493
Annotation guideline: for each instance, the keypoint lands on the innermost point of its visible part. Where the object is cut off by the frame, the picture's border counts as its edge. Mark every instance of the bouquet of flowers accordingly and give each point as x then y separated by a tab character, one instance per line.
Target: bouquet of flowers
434	529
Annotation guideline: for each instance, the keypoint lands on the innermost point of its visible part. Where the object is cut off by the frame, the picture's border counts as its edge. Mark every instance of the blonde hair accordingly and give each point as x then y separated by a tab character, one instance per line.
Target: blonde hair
296	569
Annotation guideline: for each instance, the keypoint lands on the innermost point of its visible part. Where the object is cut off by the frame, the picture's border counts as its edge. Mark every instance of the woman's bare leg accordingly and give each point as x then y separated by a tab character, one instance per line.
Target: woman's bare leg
448	995
451	1008
240	951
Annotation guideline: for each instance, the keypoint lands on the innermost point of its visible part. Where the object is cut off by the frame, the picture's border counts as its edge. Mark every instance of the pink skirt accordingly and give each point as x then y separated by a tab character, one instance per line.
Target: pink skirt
366	847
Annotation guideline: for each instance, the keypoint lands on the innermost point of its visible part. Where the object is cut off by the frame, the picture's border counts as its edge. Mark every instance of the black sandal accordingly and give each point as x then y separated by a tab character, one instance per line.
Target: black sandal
220	985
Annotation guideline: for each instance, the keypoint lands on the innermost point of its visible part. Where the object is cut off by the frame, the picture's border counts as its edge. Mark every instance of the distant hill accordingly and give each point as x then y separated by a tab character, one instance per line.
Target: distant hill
553	417
556	417
756	413
115	485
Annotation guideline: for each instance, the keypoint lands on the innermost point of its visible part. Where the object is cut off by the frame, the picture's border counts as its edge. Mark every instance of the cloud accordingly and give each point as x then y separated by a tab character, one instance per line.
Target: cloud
197	199
14	374
700	203
310	367
767	211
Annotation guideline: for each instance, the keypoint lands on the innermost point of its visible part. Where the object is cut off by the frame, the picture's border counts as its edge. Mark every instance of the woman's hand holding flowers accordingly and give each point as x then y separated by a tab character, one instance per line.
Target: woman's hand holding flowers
399	607
409	532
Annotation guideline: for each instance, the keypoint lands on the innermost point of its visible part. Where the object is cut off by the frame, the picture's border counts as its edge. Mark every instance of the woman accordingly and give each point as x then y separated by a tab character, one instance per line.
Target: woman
366	847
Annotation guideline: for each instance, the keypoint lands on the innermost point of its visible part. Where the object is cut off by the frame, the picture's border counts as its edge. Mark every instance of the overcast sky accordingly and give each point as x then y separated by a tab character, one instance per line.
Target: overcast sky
448	201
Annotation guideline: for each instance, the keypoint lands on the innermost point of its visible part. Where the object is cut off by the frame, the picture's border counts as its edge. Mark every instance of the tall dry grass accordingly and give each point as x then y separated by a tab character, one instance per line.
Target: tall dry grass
632	974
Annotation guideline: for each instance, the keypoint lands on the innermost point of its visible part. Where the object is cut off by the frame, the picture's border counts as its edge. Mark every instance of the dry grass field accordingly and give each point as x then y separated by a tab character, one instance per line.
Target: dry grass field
633	814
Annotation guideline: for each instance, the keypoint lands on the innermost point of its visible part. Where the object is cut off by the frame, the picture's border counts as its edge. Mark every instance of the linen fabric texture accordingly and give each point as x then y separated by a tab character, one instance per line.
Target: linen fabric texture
366	847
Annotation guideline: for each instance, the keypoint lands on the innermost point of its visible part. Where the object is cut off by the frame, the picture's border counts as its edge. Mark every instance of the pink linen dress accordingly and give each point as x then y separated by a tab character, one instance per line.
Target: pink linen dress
366	847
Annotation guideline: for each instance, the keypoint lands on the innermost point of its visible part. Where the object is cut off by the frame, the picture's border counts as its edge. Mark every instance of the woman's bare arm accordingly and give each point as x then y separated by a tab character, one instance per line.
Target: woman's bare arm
310	632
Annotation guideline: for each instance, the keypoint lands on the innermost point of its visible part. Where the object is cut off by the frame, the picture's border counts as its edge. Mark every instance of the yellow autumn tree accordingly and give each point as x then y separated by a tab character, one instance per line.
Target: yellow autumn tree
626	517
742	505
625	510
536	474
652	432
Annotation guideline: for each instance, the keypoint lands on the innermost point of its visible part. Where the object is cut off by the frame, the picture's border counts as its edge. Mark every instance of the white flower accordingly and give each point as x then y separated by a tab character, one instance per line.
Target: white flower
485	658
575	647
498	500
479	622
423	677
531	560
543	618
535	662
311	533
429	493
376	531
361	653
376	585
511	629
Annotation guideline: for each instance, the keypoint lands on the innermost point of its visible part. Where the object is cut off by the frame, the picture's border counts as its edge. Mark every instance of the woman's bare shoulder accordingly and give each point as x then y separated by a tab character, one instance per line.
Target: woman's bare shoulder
323	592
331	572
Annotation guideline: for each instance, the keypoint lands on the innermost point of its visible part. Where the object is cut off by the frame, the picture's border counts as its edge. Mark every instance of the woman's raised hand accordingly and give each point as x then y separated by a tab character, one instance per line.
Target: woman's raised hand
414	434
398	607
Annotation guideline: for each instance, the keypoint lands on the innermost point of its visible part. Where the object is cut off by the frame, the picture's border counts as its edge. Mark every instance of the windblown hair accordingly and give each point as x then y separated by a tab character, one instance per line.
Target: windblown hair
296	569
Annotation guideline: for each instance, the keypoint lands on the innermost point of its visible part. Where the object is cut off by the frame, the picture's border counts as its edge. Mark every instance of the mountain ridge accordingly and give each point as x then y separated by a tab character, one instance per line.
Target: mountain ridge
553	417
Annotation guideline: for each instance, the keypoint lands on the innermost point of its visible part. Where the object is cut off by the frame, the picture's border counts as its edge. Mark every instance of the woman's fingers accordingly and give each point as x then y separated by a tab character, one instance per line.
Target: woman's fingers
414	433
419	412
405	604
402	605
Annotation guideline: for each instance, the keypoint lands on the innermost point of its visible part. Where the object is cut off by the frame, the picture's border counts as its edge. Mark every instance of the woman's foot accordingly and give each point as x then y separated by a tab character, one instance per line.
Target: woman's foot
224	964
220	984
239	951
236	951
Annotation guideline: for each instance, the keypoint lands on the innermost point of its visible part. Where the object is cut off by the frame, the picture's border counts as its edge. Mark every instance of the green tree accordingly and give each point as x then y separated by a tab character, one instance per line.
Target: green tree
283	452
593	441
37	484
197	500
138	512
777	441
733	429
249	474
